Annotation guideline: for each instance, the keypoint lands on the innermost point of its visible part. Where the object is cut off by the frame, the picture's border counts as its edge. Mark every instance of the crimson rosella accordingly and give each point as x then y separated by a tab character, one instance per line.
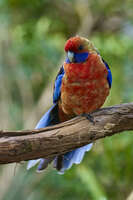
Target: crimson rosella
81	86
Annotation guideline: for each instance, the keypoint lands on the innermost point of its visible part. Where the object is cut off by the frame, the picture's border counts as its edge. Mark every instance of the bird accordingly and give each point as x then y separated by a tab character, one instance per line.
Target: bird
81	87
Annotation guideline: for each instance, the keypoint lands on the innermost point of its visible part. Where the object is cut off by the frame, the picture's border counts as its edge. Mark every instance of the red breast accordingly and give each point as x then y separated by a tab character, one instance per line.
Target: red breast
84	86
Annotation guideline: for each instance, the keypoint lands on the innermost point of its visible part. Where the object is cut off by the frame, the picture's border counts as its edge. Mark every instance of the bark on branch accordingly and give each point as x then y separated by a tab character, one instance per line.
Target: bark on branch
16	146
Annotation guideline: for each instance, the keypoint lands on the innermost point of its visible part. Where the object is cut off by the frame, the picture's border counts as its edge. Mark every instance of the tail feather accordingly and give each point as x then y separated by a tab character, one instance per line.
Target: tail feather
61	162
48	119
73	157
44	164
32	163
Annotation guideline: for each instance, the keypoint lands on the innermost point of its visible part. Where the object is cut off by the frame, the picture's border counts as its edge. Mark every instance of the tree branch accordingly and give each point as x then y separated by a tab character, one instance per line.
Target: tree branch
16	146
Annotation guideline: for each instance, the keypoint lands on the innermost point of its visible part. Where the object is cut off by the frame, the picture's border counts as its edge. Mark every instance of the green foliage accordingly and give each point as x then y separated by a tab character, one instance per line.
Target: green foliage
32	38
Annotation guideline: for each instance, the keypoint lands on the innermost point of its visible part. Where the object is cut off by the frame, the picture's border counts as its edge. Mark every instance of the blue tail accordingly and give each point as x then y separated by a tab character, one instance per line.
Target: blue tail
63	162
73	157
48	119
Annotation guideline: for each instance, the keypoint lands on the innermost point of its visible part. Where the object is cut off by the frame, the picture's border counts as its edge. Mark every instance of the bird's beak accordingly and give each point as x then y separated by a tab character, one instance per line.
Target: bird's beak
70	56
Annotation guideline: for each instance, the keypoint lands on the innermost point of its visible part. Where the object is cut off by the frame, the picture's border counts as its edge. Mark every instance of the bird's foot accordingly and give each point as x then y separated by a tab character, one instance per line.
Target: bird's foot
89	117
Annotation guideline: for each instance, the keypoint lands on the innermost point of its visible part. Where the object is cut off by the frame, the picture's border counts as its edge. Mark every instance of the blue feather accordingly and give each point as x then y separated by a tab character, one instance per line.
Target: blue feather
109	77
48	119
79	57
32	163
70	158
74	157
57	85
45	120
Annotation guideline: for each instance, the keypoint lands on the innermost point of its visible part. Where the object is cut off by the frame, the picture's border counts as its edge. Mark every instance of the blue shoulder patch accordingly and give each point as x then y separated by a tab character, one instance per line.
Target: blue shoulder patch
57	85
109	77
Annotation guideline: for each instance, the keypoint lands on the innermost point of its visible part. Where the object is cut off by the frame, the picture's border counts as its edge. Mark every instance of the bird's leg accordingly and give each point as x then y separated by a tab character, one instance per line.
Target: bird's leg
89	117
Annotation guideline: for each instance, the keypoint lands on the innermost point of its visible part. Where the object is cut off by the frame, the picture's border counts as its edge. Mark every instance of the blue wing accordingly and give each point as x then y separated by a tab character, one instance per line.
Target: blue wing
109	77
57	85
48	119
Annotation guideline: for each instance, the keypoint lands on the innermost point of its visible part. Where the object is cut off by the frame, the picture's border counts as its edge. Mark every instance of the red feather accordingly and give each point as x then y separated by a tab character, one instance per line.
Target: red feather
84	86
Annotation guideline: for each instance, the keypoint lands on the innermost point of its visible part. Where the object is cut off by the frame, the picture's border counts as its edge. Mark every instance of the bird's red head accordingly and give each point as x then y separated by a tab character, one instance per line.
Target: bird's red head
74	44
78	44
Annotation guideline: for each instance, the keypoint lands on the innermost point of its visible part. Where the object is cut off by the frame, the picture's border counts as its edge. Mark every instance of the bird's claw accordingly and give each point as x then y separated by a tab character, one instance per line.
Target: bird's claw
89	117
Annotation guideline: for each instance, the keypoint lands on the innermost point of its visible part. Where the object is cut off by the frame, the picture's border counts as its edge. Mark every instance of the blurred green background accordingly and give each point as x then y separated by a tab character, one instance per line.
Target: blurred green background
32	38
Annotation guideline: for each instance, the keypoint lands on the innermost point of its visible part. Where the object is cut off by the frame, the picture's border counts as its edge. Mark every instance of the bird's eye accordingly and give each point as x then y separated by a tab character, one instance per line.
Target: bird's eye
80	47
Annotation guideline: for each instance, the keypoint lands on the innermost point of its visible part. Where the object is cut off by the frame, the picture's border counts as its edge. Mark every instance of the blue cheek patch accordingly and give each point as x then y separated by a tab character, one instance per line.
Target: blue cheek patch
81	57
78	57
